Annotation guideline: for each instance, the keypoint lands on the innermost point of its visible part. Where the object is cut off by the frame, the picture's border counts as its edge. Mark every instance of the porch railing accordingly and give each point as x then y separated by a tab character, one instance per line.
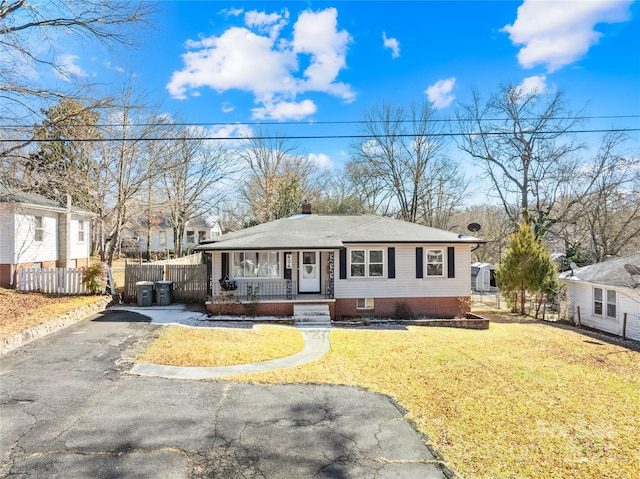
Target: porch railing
260	290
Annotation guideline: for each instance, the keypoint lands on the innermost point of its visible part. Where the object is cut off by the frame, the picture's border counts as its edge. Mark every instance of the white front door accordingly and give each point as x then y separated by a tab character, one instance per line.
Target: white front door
309	274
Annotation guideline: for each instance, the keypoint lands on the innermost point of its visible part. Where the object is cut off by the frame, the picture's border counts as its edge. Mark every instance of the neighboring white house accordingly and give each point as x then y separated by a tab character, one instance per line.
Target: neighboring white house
483	277
604	293
354	265
134	235
39	233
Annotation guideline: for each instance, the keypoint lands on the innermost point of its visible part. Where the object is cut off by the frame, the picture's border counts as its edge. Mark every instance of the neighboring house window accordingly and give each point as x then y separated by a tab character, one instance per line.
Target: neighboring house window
256	264
364	303
367	263
162	238
37	265
191	237
435	262
202	236
597	301
80	231
599	295
38	229
136	236
611	304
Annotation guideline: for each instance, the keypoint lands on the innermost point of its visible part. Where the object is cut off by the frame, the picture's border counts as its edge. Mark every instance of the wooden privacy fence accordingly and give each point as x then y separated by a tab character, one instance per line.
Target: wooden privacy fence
190	281
51	280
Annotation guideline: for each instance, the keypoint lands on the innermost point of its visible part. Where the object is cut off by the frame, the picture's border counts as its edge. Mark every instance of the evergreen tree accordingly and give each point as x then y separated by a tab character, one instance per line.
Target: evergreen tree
526	269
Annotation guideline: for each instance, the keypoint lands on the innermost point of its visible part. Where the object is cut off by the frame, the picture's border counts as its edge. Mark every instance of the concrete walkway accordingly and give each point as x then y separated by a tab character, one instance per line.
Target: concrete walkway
316	345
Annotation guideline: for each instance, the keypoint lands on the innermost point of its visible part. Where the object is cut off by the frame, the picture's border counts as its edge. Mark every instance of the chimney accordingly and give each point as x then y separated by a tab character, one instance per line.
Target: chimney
306	208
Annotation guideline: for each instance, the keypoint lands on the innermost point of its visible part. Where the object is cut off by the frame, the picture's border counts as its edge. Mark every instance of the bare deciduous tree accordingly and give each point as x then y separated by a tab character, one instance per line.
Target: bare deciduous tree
192	183
32	36
279	178
403	157
520	138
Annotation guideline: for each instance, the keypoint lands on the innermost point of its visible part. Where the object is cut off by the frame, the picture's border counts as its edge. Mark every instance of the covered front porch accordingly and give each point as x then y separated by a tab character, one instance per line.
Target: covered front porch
267	290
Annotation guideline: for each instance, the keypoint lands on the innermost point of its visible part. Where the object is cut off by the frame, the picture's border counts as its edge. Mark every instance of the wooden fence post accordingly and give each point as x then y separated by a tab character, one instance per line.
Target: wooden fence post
624	326
579	320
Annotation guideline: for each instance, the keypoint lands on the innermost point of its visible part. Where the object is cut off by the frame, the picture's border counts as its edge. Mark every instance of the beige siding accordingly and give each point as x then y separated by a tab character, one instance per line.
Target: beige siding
405	283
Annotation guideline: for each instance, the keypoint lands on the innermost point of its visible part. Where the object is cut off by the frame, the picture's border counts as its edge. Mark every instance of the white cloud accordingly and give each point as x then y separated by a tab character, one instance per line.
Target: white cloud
117	68
317	34
557	34
271	23
227	107
322	160
392	44
68	68
440	93
284	110
535	85
258	59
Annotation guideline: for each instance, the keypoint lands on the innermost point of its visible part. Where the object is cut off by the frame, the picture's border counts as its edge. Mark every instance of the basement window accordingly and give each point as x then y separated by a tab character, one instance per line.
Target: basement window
364	303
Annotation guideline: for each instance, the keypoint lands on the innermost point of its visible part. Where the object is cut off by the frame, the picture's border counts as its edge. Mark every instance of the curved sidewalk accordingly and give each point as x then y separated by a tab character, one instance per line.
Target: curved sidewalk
316	345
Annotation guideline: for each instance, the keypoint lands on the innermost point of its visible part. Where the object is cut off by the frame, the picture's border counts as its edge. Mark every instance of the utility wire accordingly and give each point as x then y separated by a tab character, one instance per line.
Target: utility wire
317	137
329	122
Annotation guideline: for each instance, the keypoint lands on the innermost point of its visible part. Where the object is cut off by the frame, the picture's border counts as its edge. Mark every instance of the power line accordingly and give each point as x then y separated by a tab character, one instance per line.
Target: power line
317	137
328	122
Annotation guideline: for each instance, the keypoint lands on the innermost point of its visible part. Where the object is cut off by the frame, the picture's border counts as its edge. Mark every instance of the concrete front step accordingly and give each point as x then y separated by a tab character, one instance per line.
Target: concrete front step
311	313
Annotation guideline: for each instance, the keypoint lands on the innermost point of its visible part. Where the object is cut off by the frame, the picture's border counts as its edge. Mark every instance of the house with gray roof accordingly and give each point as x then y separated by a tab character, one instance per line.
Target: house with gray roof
605	296
344	266
40	233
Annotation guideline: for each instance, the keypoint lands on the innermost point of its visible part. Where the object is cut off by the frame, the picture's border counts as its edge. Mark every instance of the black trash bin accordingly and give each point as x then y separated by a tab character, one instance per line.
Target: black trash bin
164	293
144	292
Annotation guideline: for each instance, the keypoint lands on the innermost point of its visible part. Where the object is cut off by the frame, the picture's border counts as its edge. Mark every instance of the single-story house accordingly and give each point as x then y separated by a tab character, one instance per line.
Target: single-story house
134	234
358	265
603	293
483	277
40	233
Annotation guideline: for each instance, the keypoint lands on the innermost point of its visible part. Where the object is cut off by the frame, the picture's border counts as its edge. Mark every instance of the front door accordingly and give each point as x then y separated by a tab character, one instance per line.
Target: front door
309	276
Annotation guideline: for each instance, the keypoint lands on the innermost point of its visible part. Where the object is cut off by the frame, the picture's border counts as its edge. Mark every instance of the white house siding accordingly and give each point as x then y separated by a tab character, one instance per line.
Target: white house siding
405	284
630	304
581	295
6	236
26	249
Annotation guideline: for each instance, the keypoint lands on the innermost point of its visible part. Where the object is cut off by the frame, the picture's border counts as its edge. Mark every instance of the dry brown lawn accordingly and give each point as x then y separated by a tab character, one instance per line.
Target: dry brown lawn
522	400
182	346
20	311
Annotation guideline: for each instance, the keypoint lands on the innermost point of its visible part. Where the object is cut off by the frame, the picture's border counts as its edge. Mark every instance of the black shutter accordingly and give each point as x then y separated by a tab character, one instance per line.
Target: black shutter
391	259
451	262
225	264
343	263
419	263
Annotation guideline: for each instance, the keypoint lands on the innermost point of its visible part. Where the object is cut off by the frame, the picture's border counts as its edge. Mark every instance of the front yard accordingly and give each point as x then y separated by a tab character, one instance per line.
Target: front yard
521	400
524	399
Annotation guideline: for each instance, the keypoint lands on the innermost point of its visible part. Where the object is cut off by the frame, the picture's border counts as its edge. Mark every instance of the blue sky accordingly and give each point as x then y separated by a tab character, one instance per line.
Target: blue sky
286	63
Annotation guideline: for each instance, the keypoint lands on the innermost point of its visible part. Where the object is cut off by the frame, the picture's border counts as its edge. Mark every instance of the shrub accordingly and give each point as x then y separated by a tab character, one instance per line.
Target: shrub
402	310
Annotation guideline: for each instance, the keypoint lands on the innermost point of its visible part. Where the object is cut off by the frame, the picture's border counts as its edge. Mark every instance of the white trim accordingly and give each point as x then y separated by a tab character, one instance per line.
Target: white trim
442	263
367	263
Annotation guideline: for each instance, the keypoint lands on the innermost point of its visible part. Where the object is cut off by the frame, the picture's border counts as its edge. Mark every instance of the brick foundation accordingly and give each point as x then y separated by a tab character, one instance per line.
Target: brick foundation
445	307
249	309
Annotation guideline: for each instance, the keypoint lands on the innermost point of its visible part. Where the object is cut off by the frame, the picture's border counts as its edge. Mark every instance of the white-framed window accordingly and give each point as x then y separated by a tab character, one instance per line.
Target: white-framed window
191	237
256	264
81	231
435	262
604	303
366	263
364	303
162	238
38	228
135	236
202	236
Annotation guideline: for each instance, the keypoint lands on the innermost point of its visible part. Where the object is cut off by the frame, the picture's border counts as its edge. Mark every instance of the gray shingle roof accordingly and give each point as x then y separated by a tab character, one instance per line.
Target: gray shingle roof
609	273
330	232
9	195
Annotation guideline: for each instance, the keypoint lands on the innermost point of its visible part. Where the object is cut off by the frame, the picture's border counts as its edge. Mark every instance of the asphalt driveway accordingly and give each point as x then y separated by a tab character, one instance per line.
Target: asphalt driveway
68	409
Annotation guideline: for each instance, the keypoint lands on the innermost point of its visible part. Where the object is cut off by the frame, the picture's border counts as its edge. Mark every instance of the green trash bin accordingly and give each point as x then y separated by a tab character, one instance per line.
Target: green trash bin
144	292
